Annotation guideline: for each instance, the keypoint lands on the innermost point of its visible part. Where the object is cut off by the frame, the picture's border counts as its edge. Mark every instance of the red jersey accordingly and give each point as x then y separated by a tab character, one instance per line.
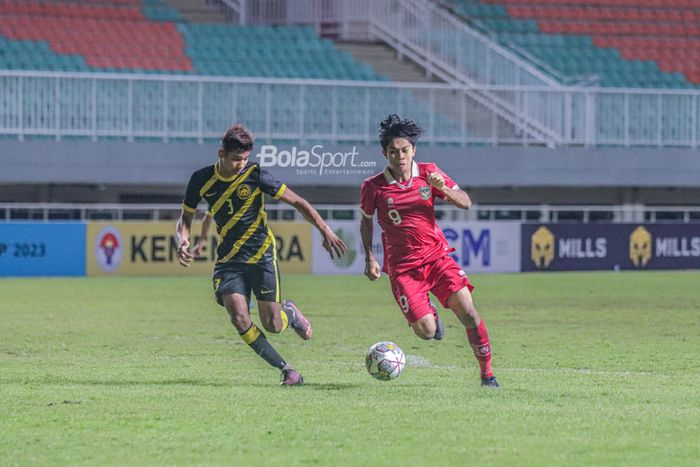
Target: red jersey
405	211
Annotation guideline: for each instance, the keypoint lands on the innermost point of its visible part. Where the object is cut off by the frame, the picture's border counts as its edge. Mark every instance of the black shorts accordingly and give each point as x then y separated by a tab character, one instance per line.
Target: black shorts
262	278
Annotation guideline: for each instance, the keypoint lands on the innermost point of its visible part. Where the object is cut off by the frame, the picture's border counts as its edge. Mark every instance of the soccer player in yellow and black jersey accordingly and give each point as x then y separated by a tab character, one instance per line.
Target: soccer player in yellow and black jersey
234	189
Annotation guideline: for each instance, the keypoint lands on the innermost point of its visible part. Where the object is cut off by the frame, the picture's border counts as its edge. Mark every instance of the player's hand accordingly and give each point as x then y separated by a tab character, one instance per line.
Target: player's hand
183	253
372	270
198	250
437	181
333	244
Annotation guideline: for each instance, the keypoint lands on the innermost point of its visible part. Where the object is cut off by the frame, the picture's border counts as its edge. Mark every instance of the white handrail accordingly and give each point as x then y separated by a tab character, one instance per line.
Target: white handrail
518	212
486	41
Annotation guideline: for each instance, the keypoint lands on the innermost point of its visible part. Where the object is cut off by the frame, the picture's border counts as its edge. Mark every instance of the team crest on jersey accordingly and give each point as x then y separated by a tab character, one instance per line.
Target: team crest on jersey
243	191
389	201
425	192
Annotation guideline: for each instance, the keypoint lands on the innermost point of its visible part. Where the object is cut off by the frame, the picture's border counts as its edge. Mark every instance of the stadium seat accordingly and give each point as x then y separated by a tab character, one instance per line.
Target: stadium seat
147	36
150	36
608	36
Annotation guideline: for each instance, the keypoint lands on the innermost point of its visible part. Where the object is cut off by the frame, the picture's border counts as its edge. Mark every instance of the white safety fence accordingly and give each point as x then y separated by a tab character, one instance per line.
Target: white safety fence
450	48
283	212
98	106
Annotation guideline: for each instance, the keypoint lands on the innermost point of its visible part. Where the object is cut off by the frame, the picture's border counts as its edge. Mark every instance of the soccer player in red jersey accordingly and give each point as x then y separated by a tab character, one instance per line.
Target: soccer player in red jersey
416	253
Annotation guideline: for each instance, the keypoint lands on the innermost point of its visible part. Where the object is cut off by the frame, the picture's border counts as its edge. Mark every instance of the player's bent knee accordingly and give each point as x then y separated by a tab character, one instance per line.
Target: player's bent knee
424	328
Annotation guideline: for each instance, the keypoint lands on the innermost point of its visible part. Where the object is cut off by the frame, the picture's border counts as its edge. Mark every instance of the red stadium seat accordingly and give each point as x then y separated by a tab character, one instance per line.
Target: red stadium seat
107	33
666	31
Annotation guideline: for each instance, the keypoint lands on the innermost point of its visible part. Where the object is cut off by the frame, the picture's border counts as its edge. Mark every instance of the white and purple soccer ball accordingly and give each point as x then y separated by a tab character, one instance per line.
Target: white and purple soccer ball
385	361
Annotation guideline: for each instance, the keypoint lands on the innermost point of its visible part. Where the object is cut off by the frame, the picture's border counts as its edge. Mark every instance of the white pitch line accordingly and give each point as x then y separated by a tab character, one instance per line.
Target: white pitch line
415	360
582	371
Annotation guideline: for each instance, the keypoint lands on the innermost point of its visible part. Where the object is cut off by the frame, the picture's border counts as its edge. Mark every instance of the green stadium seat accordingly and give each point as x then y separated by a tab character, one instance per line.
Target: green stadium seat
210	48
215	50
518	23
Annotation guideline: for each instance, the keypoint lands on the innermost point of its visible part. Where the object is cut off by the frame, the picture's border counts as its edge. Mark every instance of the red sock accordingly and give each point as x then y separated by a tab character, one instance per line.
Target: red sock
479	340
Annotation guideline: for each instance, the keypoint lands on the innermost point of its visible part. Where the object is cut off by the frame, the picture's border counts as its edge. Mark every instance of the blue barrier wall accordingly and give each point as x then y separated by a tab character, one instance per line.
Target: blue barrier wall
42	249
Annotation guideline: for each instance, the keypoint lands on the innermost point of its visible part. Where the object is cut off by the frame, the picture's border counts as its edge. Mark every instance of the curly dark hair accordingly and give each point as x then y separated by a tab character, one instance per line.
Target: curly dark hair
237	139
394	127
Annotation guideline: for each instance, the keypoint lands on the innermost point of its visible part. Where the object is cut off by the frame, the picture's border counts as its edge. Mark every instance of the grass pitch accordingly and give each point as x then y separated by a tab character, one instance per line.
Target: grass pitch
596	369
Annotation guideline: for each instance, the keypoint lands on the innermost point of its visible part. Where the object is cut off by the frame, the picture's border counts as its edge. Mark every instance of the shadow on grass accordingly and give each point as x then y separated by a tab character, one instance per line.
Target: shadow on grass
174	382
331	386
112	382
307	385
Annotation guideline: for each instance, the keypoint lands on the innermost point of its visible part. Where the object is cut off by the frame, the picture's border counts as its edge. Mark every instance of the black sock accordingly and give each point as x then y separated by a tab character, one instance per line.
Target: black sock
257	341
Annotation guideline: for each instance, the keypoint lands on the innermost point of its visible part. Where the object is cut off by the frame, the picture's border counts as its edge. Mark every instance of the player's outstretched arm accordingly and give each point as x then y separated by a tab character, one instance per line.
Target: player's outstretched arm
454	196
331	242
204	234
182	233
372	269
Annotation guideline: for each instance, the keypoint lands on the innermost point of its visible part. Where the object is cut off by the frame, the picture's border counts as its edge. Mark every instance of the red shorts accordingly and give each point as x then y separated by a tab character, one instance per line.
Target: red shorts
442	277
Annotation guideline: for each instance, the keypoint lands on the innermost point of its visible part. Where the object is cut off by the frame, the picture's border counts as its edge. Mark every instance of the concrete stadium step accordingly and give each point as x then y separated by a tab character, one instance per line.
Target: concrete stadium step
383	60
198	11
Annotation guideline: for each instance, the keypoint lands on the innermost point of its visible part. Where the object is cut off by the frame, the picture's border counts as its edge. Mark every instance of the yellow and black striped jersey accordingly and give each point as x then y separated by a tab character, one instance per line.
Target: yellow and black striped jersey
238	208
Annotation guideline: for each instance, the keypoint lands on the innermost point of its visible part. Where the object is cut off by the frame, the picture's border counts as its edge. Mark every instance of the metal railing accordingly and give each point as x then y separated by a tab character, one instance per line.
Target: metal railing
47	212
449	48
419	29
195	108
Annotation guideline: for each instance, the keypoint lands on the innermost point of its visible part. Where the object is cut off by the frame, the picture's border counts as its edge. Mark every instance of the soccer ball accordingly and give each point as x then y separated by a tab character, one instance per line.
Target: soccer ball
385	361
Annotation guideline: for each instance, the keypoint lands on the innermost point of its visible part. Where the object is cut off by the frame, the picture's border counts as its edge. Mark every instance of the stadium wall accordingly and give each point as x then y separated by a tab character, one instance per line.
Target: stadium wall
161	164
148	248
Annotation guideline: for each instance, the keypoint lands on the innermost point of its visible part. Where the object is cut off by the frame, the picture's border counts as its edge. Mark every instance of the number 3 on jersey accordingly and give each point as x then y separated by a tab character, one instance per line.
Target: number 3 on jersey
394	216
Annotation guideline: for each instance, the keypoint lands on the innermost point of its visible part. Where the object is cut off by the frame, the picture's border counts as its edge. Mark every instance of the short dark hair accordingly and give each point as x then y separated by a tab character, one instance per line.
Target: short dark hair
394	127
237	139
